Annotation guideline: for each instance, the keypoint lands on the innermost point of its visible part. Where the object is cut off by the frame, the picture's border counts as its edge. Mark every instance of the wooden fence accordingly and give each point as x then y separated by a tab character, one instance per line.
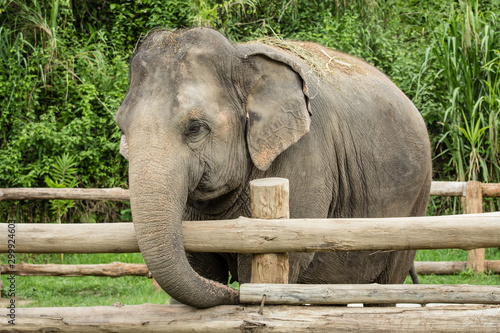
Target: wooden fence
472	192
269	241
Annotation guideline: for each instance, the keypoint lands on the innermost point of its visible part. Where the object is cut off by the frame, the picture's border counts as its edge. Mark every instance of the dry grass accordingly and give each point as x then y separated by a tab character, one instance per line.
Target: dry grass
321	60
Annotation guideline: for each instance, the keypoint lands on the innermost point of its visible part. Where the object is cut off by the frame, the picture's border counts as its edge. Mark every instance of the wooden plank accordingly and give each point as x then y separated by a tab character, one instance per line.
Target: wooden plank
491	190
323	235
114	269
493	266
440	267
332	294
246	235
112	194
118	194
72	238
121	269
180	318
451	267
269	199
474	205
452	189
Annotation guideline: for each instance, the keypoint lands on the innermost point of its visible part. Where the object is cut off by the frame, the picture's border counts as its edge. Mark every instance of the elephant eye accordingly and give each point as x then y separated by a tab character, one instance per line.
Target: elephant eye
194	128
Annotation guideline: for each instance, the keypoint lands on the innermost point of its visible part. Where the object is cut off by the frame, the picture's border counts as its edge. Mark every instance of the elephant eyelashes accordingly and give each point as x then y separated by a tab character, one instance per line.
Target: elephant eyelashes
195	130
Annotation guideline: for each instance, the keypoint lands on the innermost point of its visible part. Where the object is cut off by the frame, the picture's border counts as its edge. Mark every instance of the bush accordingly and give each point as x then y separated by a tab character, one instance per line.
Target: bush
65	72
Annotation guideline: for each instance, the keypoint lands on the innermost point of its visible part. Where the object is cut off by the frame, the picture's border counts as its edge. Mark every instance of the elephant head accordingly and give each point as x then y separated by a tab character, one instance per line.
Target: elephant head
200	115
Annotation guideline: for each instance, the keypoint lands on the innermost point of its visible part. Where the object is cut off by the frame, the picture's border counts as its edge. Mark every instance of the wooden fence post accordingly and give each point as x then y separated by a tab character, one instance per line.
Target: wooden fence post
270	200
474	205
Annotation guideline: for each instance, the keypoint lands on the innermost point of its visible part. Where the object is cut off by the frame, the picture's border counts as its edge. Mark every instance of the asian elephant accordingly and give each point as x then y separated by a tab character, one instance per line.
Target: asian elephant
204	116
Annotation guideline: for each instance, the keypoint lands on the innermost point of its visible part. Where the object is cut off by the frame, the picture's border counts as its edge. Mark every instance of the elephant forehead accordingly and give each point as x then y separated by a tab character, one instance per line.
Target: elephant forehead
201	94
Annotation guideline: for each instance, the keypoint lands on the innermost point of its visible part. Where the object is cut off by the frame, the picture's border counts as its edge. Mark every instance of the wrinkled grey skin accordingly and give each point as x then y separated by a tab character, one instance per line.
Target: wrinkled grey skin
203	117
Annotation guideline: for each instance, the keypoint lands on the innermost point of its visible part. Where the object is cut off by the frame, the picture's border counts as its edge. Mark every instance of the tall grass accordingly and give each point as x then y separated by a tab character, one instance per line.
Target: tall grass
467	51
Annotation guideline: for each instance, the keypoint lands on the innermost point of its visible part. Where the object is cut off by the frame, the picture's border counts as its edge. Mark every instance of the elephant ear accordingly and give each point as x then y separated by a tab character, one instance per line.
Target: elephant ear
277	107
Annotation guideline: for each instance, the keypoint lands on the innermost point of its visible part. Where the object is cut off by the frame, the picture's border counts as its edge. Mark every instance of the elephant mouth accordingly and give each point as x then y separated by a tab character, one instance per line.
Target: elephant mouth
213	202
208	195
205	191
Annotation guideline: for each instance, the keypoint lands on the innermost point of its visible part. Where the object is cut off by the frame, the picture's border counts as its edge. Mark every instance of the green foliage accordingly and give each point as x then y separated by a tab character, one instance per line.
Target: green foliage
60	88
465	277
467	50
462	72
63	174
65	72
43	291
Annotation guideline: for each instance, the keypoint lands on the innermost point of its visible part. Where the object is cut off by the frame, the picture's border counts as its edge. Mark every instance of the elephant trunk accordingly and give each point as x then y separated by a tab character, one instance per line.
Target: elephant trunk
158	194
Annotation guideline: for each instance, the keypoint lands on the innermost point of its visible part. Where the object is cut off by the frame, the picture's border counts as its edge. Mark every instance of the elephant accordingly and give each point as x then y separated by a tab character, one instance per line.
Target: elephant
204	116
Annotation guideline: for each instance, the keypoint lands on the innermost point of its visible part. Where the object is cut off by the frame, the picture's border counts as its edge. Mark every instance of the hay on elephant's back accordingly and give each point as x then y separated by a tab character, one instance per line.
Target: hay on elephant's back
321	60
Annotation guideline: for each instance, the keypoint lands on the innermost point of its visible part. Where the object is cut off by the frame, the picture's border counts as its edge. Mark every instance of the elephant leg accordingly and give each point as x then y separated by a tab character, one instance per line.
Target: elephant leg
244	267
212	266
399	266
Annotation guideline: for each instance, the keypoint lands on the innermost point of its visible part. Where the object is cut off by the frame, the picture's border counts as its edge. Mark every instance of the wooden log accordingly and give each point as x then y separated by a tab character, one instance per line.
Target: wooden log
72	238
269	199
452	267
323	235
119	194
114	269
491	190
440	267
493	266
474	205
180	318
112	194
332	294
459	189
451	189
244	235
120	269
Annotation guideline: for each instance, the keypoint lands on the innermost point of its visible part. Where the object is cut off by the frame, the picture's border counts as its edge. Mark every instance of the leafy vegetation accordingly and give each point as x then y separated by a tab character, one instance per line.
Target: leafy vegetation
64	176
64	73
466	50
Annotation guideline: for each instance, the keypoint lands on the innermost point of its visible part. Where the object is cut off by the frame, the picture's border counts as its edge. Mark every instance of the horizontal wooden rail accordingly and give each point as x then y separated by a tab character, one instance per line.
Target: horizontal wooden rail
112	194
452	189
180	318
331	294
456	189
114	269
246	235
71	238
452	267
